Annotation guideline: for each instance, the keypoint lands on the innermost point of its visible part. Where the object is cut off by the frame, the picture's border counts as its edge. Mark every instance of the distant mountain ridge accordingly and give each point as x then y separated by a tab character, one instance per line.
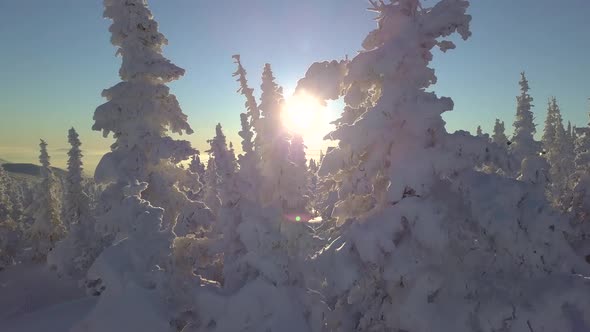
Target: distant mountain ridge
28	169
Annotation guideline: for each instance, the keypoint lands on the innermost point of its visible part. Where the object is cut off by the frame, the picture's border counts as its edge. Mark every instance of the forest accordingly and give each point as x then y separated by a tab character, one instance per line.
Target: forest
401	226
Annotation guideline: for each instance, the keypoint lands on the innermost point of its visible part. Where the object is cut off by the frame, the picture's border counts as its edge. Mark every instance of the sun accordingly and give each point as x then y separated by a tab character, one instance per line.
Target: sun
304	114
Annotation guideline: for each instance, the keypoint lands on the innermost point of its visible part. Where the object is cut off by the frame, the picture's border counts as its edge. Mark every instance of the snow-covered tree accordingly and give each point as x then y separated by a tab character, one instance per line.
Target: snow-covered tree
195	186
580	179
278	186
76	202
143	206
430	242
523	143
47	229
226	166
140	112
524	148
211	183
499	137
479	132
196	165
127	275
249	119
300	171
249	177
569	149
313	177
74	254
10	230
555	143
5	205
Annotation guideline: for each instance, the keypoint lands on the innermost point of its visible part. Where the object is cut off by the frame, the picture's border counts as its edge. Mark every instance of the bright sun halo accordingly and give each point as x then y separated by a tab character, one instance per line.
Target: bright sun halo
304	114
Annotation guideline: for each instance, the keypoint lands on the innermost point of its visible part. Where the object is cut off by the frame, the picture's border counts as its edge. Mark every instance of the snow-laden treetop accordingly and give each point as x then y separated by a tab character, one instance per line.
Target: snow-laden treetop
140	111
135	31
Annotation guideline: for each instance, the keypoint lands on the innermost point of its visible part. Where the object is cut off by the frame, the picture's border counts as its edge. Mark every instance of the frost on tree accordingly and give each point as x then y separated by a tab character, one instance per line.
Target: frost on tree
141	112
47	228
435	245
74	254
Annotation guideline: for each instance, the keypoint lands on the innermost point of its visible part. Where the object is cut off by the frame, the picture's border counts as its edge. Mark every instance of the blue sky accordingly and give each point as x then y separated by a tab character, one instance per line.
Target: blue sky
56	59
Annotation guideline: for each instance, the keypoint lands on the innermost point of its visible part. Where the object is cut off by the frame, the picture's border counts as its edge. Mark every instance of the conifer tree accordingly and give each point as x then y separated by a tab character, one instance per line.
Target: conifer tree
523	141
10	230
499	137
555	142
226	166
479	132
300	175
581	178
524	148
76	201
141	112
47	229
196	166
74	254
143	206
278	186
249	120
401	252
211	183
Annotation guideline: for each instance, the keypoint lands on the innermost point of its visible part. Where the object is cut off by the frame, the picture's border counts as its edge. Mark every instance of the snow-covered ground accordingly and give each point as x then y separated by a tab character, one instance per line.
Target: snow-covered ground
34	299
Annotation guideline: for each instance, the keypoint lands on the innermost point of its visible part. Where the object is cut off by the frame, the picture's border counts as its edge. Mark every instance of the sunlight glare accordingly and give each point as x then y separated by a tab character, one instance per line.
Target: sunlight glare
304	114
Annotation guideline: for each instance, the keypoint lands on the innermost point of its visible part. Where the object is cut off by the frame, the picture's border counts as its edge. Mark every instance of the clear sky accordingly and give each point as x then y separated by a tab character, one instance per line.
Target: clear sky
56	58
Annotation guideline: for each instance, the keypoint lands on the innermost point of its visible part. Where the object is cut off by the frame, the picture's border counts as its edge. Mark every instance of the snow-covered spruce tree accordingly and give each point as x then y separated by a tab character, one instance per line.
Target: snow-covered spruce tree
313	181
194	188
326	80
211	186
555	142
126	274
499	137
76	201
301	173
47	228
196	166
252	114
258	258
580	179
434	251
226	166
524	148
478	132
5	204
278	187
135	275
140	111
10	230
73	255
570	144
